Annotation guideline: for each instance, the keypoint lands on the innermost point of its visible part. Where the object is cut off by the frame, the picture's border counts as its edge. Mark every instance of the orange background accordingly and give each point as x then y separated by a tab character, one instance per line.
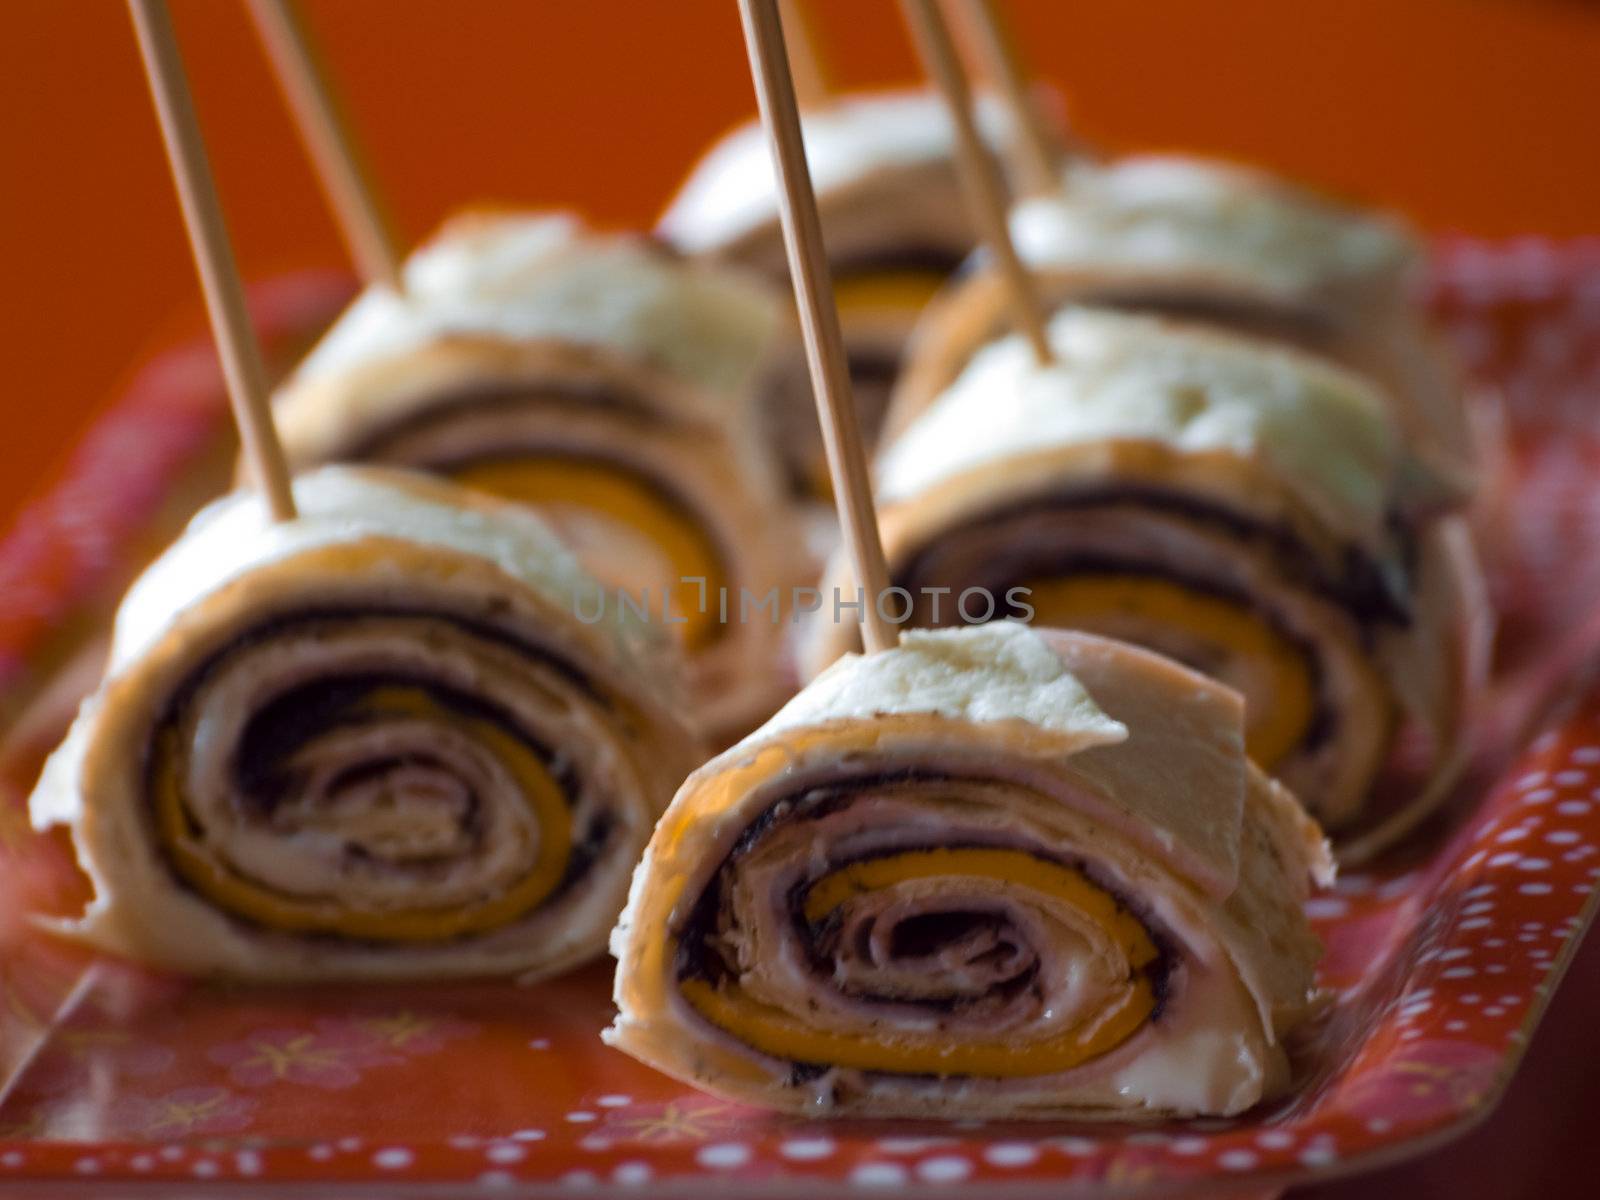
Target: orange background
1473	115
1477	115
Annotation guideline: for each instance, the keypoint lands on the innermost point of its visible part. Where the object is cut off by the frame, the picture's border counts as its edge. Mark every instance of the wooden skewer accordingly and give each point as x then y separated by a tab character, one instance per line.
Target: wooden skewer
326	139
819	319
1038	157
213	255
980	174
806	63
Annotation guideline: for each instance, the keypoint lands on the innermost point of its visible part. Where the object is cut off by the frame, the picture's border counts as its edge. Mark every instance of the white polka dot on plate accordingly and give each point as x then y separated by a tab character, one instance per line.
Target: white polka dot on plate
614	1101
505	1152
1535	889
1318	1156
497	1179
878	1174
1188	1145
393	1158
1011	1154
1275	1139
806	1149
946	1168
1236	1160
205	1168
723	1155
632	1174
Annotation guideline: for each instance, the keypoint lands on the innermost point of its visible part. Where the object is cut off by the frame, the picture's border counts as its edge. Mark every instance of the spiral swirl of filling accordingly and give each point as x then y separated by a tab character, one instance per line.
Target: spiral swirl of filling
388	776
893	925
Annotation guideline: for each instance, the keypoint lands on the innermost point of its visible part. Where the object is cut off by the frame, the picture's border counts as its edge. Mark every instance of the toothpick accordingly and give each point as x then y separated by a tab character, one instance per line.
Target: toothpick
1038	157
326	139
213	255
980	175
806	62
819	319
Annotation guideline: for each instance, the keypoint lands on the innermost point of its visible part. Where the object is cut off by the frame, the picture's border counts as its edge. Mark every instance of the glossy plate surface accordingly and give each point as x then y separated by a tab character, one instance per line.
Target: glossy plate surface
1440	958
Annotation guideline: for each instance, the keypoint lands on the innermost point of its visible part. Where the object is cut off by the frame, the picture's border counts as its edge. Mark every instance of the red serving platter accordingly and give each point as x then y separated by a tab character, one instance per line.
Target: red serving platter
1441	957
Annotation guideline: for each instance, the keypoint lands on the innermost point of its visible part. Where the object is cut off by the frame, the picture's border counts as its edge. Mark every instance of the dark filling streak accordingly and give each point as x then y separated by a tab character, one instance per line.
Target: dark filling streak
921	936
1359	586
1302	327
289	719
933	260
700	957
788	413
873	369
488	400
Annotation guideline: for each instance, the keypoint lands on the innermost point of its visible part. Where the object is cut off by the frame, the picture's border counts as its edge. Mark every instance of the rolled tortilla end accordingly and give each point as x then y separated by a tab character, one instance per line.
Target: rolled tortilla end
377	741
916	892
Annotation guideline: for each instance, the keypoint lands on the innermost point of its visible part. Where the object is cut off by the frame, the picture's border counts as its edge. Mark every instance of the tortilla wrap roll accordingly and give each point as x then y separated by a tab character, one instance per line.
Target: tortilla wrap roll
994	872
894	220
1246	509
375	741
603	381
1231	247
